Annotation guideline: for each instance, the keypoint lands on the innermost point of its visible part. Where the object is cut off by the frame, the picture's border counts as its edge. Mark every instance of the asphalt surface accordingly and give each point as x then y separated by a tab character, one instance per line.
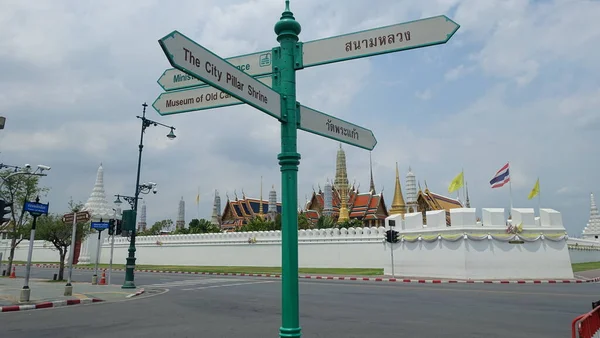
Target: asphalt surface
233	306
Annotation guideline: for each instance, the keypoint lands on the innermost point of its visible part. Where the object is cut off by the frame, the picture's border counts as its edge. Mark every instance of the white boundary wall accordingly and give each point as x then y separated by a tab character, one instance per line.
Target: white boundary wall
466	250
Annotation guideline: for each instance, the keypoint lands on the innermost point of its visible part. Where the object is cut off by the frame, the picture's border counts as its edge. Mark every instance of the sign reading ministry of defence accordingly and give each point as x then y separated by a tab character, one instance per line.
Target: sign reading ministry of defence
191	58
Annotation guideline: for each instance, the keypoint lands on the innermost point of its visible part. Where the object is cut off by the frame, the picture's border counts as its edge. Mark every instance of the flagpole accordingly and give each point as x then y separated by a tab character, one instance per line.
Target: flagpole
539	198
510	190
463	174
198	204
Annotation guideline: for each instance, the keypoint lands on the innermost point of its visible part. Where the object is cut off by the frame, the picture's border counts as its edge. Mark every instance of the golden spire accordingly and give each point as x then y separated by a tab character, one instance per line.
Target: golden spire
260	211
398	206
341	184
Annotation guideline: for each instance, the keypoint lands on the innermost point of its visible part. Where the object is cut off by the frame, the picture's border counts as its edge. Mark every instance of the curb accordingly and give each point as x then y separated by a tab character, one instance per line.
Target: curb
45	305
136	294
373	279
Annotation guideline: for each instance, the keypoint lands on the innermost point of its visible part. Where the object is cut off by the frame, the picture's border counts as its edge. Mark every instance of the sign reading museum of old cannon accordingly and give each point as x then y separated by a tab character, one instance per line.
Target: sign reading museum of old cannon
191	58
197	98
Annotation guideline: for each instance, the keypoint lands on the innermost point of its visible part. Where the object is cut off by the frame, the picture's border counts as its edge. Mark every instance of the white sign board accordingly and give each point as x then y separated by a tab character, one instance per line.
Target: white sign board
252	64
193	59
205	97
414	34
315	122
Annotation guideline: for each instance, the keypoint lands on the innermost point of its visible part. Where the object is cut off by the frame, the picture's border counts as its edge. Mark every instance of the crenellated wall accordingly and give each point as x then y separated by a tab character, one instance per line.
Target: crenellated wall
467	249
529	248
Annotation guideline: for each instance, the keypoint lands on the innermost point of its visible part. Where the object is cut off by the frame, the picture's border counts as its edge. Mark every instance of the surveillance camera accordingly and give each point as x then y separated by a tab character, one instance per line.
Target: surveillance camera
28	166
43	167
152	184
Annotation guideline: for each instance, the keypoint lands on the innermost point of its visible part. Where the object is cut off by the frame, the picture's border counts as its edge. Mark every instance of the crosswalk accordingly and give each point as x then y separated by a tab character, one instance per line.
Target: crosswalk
206	283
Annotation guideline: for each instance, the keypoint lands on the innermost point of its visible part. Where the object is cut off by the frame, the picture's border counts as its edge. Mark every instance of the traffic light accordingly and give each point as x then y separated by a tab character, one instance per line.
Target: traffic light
119	229
111	227
395	235
392	236
4	211
388	236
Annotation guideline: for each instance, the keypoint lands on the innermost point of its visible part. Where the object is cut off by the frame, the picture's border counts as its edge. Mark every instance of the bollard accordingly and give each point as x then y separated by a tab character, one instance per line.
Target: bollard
55	276
94	280
3	273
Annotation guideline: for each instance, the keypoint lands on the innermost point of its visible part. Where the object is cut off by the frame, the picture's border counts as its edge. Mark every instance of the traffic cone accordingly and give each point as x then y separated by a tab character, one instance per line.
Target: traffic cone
13	274
103	279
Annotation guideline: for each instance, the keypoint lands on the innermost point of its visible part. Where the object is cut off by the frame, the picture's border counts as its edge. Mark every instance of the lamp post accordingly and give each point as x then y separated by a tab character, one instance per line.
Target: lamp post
145	188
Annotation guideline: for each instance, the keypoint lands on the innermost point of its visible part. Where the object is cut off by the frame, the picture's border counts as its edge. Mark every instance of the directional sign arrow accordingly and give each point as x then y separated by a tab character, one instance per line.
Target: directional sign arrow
319	123
193	59
254	64
413	34
205	97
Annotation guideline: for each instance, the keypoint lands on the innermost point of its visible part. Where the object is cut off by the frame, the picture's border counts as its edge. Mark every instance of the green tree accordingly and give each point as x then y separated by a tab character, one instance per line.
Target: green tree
157	228
351	223
18	189
203	226
258	224
325	222
303	222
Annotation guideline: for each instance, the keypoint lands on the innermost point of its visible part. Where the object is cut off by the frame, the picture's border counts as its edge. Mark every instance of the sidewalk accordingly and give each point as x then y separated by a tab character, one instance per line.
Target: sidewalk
50	294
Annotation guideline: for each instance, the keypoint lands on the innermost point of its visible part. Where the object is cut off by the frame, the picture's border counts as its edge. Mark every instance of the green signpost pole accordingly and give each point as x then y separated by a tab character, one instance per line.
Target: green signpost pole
284	82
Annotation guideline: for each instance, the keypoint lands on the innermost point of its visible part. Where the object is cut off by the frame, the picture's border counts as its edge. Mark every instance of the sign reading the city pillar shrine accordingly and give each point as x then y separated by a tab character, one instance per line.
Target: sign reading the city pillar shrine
409	35
197	98
252	64
315	122
193	59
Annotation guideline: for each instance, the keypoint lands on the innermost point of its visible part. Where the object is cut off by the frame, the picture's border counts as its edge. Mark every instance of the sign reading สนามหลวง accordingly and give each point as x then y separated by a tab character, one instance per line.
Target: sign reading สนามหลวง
315	122
199	98
99	225
36	208
189	57
413	34
252	64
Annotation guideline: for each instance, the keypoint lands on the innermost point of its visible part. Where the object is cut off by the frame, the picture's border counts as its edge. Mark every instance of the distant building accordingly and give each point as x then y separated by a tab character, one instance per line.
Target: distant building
180	223
592	229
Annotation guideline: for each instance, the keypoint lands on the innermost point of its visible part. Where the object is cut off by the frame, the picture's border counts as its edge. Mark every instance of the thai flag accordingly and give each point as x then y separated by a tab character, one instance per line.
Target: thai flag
501	178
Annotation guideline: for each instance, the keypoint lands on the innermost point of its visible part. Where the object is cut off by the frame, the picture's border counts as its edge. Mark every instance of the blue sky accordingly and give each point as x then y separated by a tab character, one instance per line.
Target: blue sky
518	82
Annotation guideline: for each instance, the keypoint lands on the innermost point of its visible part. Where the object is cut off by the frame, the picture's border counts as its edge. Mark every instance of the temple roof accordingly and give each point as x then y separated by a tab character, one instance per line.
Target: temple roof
237	212
360	205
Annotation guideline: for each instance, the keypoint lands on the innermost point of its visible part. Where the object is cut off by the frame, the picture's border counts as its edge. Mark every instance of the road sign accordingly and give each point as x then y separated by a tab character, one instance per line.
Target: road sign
413	34
99	225
254	64
205	97
315	122
82	216
36	209
193	59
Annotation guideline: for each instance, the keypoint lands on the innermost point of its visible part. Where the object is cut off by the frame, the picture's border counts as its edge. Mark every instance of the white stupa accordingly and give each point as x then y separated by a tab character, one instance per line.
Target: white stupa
592	230
99	209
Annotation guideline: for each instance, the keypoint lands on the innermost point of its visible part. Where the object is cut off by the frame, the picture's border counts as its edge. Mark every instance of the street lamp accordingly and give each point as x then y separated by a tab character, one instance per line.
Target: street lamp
144	188
23	171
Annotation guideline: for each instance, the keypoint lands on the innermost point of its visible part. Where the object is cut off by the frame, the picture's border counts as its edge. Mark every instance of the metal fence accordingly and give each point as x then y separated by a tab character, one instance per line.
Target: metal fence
587	325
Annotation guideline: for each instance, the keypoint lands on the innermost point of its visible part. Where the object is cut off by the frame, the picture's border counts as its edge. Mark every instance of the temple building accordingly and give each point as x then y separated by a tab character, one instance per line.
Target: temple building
180	223
238	212
592	229
342	202
427	201
142	225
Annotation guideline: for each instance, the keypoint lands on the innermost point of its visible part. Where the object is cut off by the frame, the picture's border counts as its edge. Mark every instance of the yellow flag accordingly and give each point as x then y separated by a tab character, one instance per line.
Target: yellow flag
198	196
457	183
536	189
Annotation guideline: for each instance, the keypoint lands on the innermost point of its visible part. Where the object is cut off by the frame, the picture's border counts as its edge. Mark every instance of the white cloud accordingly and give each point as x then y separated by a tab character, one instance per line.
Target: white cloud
75	76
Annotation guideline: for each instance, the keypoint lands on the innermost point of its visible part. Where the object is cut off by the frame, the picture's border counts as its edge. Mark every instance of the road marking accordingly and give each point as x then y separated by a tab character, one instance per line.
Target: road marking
196	281
429	287
226	285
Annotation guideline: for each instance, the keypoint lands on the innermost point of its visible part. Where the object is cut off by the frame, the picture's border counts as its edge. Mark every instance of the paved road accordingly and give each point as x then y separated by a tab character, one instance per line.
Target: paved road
222	306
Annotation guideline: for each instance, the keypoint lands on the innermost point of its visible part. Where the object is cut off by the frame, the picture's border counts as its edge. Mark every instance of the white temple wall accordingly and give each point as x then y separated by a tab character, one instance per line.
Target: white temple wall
463	250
